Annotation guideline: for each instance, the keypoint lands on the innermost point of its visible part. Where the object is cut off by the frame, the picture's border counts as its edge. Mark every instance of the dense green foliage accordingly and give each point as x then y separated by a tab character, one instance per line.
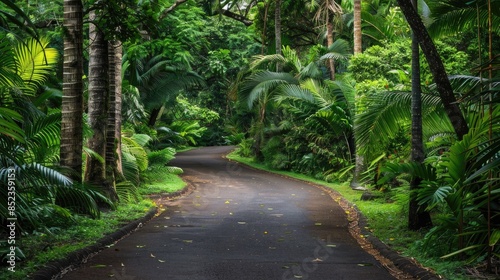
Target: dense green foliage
207	73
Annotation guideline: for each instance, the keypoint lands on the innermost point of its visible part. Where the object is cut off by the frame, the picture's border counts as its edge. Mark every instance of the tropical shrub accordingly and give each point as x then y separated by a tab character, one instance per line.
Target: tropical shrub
29	153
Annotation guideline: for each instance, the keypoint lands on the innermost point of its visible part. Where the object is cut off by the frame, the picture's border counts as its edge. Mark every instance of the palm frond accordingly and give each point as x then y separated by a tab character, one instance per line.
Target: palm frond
8	65
9	126
339	50
259	60
264	83
389	111
451	16
35	62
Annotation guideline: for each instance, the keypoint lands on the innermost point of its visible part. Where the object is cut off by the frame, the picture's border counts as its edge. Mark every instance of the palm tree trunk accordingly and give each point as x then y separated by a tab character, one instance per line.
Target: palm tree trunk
417	217
118	107
98	106
264	37
155	112
72	101
437	68
277	30
357	27
359	159
329	38
111	122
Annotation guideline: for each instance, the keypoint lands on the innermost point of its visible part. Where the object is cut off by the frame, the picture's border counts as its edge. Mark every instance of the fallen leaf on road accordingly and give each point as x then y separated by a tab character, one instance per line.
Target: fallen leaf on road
99	265
317	260
227	202
153	256
317	224
242	223
162	261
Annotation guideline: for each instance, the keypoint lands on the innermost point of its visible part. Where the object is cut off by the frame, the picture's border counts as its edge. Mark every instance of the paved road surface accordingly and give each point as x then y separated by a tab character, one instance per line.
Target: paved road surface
238	224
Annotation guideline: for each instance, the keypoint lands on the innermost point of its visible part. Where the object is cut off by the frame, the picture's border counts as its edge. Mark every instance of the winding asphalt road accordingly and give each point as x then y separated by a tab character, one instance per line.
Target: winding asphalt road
239	223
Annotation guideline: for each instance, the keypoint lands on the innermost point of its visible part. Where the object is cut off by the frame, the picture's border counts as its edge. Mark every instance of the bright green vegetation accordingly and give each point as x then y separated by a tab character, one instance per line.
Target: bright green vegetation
160	181
306	91
40	248
55	243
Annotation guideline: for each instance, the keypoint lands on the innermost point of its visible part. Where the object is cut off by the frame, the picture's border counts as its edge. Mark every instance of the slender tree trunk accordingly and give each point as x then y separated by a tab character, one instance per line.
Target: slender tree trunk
154	116
357	27
437	68
359	159
118	107
72	101
329	39
417	217
264	30
111	168
98	109
277	30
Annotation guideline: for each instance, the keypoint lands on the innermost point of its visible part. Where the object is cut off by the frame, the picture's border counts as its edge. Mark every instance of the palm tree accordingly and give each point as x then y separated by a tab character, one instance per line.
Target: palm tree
42	193
72	103
113	138
263	86
98	110
328	12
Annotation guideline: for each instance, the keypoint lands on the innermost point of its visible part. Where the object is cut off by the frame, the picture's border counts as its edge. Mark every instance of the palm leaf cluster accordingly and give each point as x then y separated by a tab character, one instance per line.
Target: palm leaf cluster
459	177
302	121
29	142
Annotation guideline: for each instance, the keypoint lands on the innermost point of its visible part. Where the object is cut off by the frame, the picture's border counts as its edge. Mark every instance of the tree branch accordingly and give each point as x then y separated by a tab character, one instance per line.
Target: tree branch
237	17
171	8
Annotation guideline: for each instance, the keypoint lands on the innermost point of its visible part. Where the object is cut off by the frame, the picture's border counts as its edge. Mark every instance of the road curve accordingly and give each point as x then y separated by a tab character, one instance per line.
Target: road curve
238	224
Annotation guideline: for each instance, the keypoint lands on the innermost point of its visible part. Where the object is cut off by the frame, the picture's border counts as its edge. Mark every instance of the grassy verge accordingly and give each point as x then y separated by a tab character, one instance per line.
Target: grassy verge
41	248
158	181
387	219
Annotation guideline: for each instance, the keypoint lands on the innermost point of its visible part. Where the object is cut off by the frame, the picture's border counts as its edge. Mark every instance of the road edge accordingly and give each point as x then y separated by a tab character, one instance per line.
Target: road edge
56	269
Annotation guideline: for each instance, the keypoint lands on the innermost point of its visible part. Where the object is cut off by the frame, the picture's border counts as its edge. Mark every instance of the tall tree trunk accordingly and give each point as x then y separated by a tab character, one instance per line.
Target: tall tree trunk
72	100
111	122
277	30
418	218
359	159
357	27
155	112
98	106
437	68
118	107
329	41
264	38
